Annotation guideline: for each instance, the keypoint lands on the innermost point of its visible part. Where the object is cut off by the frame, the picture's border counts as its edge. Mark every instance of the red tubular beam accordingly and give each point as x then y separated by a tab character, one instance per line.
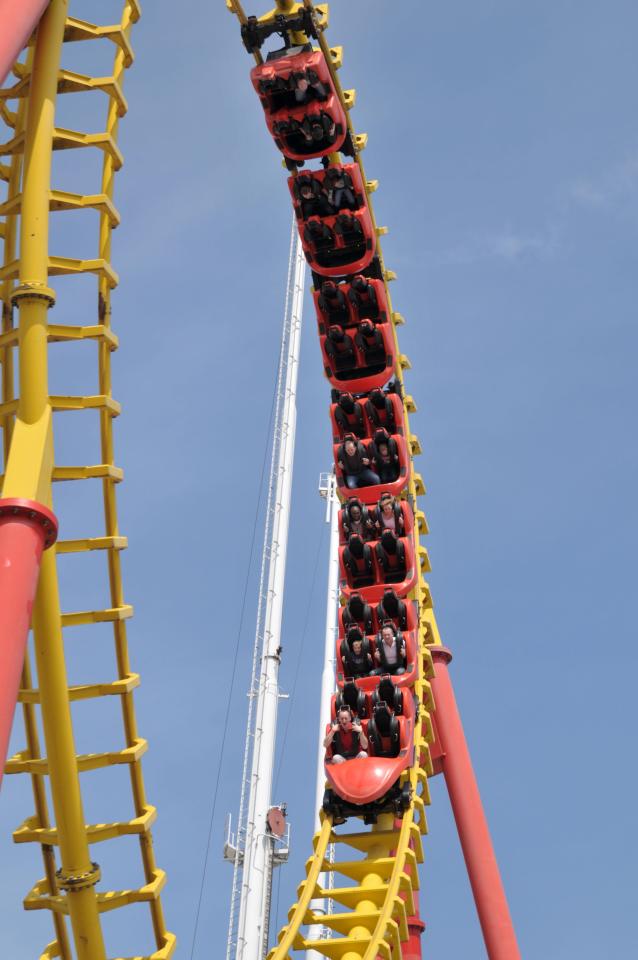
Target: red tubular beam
18	19
411	950
26	529
489	895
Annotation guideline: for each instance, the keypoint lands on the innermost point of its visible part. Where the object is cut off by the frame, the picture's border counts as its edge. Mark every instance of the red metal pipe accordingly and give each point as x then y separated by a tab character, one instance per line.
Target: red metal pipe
27	528
18	19
482	868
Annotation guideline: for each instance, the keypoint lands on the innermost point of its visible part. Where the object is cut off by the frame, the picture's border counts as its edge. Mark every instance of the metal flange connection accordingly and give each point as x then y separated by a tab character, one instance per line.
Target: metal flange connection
17	508
33	291
72	883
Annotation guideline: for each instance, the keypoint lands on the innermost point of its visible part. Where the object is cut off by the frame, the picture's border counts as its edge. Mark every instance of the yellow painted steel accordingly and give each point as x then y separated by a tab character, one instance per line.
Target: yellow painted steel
71	885
379	888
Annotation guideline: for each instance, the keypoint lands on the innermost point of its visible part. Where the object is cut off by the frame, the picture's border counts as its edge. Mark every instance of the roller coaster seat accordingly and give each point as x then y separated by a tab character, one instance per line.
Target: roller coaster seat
339	352
387	692
350	696
402	513
368	299
347	417
384	410
370	494
384	732
348	523
390	551
356	611
332	305
392	607
369	341
275	75
357	563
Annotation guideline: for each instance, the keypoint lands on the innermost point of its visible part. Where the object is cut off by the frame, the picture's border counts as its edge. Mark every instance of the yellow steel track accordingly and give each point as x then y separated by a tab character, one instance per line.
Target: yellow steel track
72	889
367	914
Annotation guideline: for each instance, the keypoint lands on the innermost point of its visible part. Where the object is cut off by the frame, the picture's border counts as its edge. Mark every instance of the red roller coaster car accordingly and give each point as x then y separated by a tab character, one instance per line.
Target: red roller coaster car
290	122
339	216
368	786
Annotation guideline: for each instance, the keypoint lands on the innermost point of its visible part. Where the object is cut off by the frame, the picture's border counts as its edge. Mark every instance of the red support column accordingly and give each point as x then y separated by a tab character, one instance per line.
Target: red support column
26	529
489	895
19	18
412	949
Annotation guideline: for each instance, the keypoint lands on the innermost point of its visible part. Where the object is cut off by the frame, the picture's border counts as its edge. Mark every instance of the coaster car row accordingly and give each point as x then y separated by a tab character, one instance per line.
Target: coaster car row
363	414
391	607
335	223
347	304
361	659
378	466
369	571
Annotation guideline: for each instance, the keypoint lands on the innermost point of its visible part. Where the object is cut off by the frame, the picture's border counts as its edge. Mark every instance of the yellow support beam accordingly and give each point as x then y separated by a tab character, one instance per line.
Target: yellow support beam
69	888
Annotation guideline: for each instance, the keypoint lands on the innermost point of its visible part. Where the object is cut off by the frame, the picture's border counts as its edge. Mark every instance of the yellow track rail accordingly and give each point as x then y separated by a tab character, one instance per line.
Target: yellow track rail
71	887
367	915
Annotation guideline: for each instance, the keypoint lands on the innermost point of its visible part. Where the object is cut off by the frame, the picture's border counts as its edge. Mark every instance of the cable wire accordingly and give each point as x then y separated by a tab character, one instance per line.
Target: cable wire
234	671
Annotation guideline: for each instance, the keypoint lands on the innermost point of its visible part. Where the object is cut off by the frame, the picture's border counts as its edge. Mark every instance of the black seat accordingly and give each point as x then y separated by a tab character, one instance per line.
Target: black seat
384	732
389	694
349	415
357	558
333	304
363	297
391	607
390	552
370	341
351	696
340	349
380	411
358	612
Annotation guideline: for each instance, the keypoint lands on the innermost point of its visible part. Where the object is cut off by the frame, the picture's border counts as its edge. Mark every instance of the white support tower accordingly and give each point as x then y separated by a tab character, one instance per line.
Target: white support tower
328	490
253	851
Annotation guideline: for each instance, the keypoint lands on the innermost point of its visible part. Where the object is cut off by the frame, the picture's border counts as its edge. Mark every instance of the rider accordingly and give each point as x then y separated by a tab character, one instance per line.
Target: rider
390	651
346	735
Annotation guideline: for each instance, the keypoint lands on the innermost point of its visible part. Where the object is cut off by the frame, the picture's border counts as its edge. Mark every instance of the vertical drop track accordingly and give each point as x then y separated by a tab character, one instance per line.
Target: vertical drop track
373	895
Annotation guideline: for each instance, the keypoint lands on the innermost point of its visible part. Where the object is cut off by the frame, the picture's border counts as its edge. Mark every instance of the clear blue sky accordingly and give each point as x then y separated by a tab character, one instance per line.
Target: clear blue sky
504	137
